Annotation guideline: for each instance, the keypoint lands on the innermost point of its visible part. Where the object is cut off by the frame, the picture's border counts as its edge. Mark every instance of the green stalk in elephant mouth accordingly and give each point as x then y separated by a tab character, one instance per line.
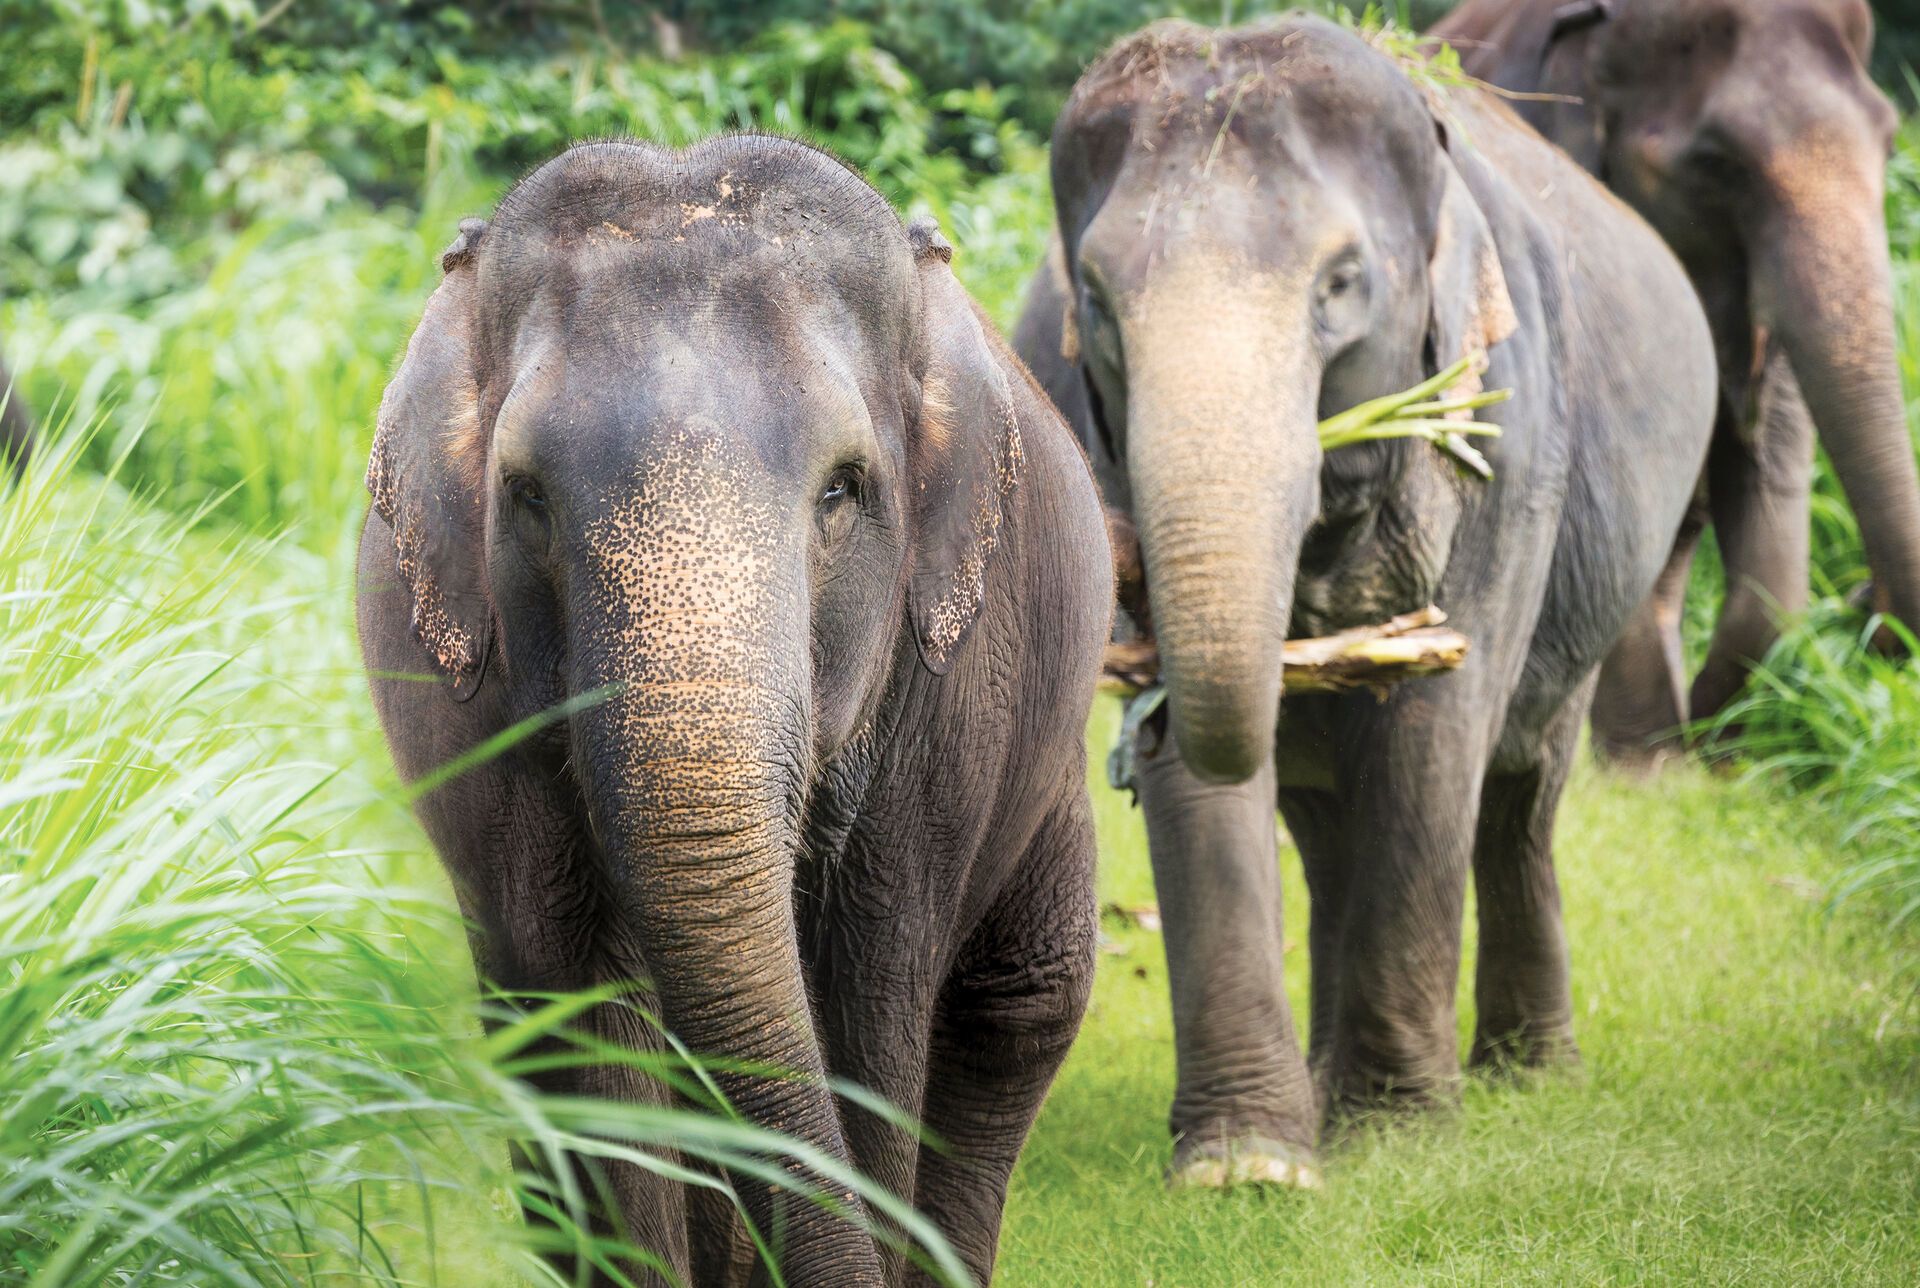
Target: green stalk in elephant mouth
1428	411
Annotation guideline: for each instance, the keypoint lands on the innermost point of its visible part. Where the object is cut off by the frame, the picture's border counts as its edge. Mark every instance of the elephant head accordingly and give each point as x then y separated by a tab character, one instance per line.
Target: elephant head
1265	226
1750	135
709	443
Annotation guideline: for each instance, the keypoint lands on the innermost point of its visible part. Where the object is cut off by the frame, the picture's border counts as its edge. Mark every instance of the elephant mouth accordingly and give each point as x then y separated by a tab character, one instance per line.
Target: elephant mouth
1375	575
1316	612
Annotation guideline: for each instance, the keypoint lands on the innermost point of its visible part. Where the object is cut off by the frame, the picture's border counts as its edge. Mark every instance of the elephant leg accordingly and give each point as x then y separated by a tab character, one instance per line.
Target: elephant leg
526	884
876	993
1007	1017
1640	700
1313	819
1759	492
1411	792
1522	993
1243	1109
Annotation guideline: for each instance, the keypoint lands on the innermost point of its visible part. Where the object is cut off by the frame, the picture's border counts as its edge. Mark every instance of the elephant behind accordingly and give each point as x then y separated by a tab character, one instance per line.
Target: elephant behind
709	446
1750	135
1260	227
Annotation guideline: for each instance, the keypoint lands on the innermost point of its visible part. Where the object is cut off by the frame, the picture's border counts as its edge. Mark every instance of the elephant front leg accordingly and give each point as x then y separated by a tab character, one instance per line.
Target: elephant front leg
525	879
1760	491
1523	995
1411	791
1007	1017
1243	1108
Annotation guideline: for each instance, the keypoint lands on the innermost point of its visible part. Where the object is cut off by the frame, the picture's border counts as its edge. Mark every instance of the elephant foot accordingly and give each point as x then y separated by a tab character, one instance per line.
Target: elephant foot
1242	1160
1633	758
1520	1052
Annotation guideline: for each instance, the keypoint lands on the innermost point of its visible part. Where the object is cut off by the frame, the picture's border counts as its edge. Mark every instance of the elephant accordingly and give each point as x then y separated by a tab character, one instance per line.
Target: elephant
706	457
1260	227
1751	137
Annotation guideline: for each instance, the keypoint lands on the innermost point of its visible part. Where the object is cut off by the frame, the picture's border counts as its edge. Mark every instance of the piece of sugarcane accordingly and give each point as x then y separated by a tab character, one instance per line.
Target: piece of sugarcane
1365	657
1423	412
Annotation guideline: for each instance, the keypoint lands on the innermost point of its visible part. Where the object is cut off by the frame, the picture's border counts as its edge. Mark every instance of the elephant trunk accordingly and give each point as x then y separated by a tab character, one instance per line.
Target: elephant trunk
1822	280
1224	461
694	767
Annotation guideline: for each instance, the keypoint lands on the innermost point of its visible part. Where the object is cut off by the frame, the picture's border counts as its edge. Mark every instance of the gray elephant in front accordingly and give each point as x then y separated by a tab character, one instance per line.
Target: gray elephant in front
1261	227
707	452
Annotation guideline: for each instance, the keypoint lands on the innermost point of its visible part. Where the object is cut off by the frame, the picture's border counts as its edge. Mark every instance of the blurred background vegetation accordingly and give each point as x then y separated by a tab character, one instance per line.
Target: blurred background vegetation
218	222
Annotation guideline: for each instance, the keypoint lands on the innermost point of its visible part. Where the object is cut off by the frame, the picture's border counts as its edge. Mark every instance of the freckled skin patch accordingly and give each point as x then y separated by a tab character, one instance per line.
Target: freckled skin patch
684	575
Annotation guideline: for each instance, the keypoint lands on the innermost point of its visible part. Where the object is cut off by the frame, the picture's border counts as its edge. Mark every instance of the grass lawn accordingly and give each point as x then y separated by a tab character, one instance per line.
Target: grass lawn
1749	1110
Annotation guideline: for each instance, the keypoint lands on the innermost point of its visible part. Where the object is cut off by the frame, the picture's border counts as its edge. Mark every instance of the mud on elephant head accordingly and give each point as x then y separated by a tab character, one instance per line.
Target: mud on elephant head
1262	227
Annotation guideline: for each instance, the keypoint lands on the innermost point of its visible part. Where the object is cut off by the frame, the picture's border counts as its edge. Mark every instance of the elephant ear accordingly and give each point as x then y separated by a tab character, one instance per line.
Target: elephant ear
966	457
1471	311
1545	50
1565	112
425	475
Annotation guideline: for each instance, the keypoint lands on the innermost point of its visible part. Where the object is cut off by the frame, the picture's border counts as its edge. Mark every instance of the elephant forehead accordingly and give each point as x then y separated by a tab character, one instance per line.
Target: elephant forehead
607	400
1216	290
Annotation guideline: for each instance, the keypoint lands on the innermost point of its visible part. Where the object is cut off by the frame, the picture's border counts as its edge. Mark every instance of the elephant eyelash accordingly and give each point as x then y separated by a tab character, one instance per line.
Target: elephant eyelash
1342	276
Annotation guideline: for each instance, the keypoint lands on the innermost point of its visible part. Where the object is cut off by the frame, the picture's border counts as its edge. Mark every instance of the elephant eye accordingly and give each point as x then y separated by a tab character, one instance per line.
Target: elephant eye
1342	276
843	484
525	494
834	513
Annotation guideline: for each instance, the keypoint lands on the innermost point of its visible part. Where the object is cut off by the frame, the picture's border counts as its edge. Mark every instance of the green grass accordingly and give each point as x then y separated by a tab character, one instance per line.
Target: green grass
1749	1109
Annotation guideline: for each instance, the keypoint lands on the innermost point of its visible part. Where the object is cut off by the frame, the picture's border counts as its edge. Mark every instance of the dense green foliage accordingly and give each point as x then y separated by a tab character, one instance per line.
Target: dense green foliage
257	239
240	1034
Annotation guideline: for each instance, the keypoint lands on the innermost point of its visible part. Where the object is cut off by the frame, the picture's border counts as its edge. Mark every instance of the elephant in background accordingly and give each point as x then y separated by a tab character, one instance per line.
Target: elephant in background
1260	227
1751	137
710	436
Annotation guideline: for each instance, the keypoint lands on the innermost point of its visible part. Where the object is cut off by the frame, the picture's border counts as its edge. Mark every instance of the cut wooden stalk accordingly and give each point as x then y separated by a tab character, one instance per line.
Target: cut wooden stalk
1365	657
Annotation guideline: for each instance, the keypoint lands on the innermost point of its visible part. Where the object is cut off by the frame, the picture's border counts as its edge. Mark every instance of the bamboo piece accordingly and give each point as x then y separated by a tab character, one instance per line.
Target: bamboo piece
1429	410
1365	657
